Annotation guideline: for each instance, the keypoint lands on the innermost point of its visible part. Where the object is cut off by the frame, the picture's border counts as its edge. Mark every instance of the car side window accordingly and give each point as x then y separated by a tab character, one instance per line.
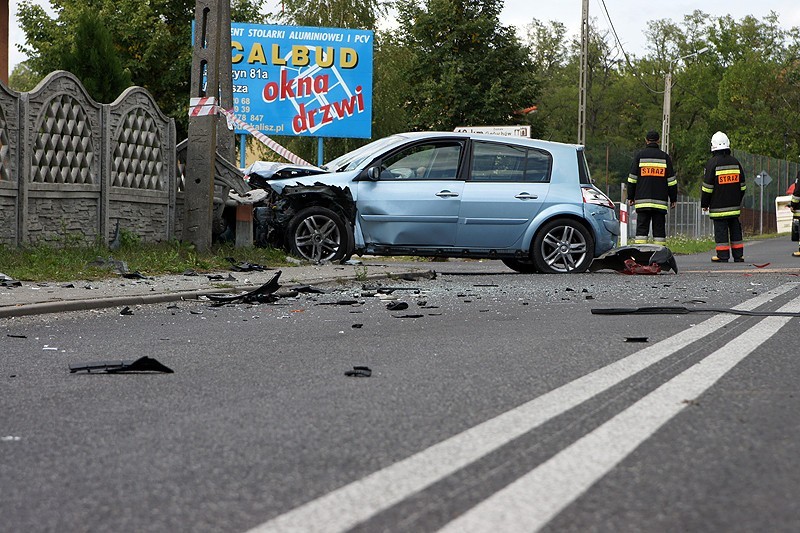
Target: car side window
537	168
505	163
430	161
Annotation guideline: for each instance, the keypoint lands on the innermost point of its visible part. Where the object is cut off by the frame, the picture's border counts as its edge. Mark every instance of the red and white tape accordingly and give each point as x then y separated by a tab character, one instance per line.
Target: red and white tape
272	145
202	106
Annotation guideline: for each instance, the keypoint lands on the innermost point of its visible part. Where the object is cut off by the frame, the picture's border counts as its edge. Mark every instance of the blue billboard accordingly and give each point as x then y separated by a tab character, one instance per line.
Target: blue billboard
294	80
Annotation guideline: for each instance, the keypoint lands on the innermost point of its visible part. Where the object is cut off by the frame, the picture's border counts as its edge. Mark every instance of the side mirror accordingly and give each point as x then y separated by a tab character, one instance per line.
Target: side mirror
373	173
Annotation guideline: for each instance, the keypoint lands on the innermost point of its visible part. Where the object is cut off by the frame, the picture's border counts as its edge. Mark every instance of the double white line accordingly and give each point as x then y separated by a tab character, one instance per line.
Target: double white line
531	501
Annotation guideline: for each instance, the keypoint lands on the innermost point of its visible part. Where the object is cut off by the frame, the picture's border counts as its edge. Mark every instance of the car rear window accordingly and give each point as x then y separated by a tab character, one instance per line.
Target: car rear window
503	162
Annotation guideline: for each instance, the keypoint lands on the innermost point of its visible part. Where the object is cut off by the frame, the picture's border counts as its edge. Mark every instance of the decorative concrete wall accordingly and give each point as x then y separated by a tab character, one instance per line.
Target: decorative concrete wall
71	168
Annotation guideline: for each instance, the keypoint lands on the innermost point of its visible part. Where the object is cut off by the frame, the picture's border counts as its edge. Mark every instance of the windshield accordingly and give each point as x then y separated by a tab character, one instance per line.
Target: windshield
353	159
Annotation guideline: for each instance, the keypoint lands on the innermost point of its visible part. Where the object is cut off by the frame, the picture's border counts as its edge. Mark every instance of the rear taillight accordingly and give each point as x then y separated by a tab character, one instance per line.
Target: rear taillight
596	196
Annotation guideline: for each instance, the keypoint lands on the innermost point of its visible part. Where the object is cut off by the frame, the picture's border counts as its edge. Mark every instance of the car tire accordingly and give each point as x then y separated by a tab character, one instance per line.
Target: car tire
563	246
318	234
521	266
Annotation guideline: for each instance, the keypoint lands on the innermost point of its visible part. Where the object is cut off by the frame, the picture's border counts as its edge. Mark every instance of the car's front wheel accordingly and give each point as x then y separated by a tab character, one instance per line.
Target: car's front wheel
563	245
318	234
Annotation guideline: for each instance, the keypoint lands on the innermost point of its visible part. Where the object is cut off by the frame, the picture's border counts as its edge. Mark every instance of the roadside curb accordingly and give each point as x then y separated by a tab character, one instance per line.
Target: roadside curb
59	306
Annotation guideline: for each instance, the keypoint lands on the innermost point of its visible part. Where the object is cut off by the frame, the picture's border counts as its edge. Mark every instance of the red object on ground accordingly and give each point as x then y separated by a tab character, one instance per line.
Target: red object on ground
632	267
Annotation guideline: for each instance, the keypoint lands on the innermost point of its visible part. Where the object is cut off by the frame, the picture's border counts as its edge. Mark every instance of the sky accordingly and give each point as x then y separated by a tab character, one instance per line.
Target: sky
629	17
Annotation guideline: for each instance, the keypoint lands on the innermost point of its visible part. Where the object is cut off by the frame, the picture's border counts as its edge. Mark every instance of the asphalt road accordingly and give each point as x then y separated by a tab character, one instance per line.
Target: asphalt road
497	401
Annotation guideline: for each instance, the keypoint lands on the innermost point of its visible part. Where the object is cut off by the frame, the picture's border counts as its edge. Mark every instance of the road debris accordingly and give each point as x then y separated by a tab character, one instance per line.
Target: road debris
262	294
359	372
636	259
126	311
396	306
635	339
143	364
679	310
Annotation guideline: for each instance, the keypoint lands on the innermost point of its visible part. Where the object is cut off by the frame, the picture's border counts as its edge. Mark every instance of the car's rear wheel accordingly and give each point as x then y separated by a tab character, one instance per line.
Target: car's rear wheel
521	265
318	234
563	245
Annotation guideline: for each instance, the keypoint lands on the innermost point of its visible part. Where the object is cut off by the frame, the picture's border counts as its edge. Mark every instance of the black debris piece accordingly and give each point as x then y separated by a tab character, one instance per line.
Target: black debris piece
126	311
195	312
307	289
485	285
244	266
215	277
677	310
172	306
569	289
190	272
358	326
635	339
16	336
68	286
359	372
134	275
412	276
589	297
396	306
408	316
262	294
143	364
287	294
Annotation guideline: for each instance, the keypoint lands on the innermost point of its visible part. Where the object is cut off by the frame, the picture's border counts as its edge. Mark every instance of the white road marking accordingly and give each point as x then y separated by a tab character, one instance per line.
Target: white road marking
351	504
533	500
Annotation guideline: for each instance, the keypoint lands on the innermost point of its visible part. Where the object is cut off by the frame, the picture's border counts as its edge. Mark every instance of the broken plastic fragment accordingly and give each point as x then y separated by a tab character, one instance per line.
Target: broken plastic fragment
126	311
359	372
396	306
260	294
143	364
635	339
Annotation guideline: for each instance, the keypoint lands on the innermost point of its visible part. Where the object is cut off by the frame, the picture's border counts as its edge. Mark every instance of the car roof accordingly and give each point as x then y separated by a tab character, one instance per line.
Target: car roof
538	143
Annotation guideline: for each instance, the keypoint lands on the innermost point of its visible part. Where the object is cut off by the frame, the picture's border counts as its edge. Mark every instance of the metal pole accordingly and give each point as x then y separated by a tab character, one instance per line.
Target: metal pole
667	106
761	211
584	73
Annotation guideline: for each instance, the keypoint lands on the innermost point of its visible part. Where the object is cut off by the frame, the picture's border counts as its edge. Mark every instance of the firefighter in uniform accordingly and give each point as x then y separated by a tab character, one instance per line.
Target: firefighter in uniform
722	193
795	205
652	190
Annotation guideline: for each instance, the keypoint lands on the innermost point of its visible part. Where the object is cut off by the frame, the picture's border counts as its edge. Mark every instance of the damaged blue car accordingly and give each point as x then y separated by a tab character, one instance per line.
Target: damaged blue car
526	202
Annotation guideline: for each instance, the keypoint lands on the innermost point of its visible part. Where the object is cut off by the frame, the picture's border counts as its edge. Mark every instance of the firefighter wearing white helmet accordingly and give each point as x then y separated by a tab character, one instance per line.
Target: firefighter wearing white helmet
722	193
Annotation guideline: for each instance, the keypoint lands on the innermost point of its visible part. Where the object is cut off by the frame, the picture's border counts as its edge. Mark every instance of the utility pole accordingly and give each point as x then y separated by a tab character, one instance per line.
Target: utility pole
584	73
668	98
203	128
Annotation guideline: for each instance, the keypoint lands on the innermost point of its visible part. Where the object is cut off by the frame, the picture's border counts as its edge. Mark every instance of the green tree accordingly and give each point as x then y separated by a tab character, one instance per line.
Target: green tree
22	78
465	67
94	60
152	39
356	14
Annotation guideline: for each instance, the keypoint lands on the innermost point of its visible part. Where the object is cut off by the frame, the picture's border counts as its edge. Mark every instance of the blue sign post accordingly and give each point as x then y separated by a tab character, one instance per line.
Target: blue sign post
302	81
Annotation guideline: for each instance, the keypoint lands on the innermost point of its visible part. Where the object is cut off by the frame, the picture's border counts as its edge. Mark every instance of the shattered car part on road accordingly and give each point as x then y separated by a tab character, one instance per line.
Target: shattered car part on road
143	364
641	255
259	294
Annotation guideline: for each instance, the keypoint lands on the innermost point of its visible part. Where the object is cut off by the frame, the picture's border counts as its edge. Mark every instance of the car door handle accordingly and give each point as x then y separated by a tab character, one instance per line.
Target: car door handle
526	196
446	194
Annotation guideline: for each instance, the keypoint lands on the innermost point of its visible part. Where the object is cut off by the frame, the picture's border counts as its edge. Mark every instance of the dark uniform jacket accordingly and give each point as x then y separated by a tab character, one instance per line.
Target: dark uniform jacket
795	205
652	183
723	186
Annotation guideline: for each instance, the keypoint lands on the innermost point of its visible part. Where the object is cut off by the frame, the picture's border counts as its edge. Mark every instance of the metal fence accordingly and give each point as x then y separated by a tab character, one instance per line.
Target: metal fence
685	220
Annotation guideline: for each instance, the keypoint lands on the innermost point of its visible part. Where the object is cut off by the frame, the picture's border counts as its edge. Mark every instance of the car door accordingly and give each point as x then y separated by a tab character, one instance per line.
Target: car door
507	186
415	202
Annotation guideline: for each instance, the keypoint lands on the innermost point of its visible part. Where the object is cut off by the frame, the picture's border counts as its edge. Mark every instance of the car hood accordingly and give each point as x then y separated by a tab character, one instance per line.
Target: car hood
337	179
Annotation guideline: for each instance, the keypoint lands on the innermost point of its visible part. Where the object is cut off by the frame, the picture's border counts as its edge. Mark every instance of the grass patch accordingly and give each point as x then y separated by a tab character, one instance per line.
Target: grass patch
71	262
